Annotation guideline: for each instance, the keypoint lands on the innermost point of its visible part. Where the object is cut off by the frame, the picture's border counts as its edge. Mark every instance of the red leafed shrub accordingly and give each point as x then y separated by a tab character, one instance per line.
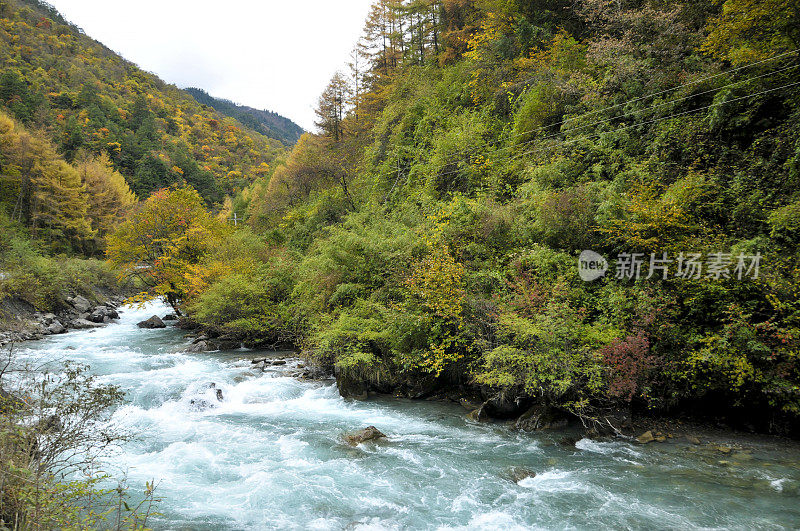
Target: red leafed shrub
628	361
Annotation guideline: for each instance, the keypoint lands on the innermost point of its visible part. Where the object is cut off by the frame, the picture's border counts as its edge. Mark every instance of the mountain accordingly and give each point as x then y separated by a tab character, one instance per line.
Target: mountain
88	99
265	122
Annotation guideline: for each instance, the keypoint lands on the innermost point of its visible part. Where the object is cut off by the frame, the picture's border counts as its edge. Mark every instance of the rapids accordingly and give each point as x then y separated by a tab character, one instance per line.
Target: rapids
270	454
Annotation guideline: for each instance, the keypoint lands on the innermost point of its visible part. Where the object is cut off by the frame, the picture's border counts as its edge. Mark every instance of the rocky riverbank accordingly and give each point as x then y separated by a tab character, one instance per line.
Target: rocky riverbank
21	321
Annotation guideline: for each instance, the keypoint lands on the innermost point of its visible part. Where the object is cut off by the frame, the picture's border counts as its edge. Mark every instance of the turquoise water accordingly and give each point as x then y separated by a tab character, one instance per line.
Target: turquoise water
270	455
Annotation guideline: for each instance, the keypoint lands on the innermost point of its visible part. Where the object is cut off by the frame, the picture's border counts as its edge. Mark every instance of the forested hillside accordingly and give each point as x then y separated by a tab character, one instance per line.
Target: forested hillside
427	239
266	122
428	236
85	98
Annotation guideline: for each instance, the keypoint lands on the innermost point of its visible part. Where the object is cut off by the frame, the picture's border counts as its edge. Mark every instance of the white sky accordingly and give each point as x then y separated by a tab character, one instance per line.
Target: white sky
275	55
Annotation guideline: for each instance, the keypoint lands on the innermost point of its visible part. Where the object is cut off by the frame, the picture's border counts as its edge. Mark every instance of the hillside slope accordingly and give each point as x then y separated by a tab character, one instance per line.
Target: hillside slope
266	122
428	239
56	78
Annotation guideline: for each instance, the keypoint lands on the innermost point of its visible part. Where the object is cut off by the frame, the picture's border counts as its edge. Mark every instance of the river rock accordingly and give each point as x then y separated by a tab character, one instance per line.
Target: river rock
541	417
692	439
515	474
99	315
112	313
154	322
646	437
56	327
351	388
219	395
226	343
200	346
170	317
478	415
81	304
82	324
279	362
370	433
568	441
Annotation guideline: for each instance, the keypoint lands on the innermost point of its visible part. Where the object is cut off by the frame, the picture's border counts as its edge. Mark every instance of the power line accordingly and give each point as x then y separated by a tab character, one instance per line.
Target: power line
584	137
454	157
663	104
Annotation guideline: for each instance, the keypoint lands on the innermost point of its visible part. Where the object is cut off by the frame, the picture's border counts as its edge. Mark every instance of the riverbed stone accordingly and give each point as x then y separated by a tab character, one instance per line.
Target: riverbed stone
55	327
515	474
99	315
200	346
646	437
154	322
350	387
83	324
370	433
478	415
692	439
170	317
81	304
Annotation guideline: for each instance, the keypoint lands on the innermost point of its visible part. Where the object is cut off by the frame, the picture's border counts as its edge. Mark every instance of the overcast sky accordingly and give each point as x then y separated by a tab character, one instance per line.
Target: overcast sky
275	55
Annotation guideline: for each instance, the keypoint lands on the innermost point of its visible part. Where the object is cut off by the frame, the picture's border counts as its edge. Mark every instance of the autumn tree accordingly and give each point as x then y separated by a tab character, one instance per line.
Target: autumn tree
750	30
109	196
161	243
42	191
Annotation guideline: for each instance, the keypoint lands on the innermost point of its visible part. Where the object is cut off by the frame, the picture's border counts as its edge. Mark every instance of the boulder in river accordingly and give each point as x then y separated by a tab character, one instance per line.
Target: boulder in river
200	346
82	324
370	433
515	474
154	322
56	327
478	415
99	315
351	387
170	317
646	437
81	304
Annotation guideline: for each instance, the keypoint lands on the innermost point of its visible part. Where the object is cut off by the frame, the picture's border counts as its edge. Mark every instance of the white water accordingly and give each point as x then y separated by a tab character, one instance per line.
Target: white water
270	455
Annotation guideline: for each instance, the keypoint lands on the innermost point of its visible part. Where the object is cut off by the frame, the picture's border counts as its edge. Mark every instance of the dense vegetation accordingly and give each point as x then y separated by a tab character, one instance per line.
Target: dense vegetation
429	235
268	123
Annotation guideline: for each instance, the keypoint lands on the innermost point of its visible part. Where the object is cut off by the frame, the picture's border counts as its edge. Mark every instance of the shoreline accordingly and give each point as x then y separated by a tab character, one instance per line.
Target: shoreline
20	321
699	432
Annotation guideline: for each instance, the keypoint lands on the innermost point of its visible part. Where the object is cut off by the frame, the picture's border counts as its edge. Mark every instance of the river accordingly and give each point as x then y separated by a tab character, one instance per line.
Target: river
271	455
